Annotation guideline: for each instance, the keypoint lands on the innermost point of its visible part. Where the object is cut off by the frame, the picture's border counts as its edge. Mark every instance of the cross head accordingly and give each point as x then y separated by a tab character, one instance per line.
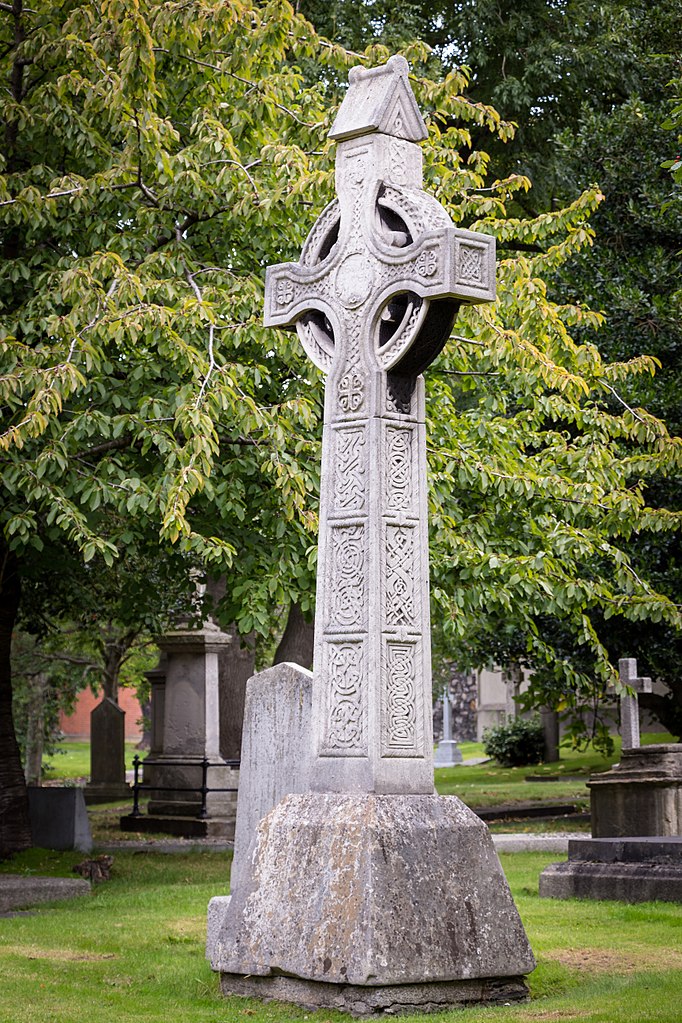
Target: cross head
373	299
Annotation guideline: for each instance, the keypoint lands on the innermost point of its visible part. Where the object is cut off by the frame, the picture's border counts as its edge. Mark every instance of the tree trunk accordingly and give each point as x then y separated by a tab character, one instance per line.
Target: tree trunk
296	644
15	828
236	666
35	729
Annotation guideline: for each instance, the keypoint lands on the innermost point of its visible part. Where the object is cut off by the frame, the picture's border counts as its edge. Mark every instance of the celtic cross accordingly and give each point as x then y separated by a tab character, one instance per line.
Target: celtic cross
373	298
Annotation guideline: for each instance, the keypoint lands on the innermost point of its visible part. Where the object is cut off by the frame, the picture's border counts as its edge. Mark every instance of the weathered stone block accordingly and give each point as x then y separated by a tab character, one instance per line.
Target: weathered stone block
59	818
642	795
373	890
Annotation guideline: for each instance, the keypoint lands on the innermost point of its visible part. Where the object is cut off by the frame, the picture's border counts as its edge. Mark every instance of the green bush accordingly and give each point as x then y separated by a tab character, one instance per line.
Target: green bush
515	744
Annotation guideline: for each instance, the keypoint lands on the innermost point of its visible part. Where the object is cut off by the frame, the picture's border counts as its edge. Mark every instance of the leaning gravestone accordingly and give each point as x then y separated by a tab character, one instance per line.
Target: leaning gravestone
107	754
369	893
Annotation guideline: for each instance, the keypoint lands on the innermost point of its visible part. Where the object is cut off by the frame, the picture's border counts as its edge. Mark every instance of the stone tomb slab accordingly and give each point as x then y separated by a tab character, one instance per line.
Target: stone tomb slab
630	869
19	891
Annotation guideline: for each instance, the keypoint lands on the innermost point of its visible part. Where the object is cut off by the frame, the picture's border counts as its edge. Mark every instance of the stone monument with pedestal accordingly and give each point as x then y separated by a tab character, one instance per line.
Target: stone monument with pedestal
369	893
635	852
186	739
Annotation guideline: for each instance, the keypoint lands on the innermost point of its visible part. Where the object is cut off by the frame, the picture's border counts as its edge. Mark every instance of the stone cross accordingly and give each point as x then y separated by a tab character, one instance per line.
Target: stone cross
373	298
629	704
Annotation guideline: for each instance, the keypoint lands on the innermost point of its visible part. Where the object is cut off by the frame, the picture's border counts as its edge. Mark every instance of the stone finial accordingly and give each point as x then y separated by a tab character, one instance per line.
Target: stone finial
380	99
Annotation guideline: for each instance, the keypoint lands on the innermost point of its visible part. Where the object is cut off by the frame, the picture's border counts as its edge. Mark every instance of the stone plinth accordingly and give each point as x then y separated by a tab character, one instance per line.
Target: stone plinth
17	891
107	754
188	682
640	869
375	893
642	795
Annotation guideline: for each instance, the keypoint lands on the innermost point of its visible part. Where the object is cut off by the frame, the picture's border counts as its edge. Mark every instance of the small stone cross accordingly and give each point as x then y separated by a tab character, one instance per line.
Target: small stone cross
629	704
627	669
373	298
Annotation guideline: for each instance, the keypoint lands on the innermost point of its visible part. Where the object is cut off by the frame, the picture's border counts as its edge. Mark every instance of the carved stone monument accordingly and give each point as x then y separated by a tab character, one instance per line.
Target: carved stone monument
629	704
370	893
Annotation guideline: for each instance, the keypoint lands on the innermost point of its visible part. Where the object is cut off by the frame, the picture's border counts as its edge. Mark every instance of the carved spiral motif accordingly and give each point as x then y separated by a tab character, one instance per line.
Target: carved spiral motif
345	719
347	598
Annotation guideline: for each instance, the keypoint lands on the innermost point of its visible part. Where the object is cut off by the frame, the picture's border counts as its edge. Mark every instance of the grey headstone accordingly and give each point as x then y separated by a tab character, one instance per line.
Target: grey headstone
59	818
642	795
107	754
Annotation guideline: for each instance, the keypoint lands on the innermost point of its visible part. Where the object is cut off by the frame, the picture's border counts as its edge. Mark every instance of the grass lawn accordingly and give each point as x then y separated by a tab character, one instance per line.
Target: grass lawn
490	785
133	952
72	760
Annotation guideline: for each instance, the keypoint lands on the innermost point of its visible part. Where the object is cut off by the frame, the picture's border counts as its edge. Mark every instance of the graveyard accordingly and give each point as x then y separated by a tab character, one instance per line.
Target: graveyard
315	435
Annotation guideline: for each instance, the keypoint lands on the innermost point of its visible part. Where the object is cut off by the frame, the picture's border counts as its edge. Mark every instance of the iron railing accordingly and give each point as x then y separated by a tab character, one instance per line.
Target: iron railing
203	789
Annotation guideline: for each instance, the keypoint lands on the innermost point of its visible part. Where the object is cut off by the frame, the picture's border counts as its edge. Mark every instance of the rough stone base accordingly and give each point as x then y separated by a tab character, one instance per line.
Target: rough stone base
387	897
394	999
183	827
624	882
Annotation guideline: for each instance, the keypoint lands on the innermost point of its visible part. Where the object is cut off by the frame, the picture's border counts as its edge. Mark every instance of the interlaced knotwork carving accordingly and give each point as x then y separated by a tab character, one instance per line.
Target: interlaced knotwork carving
471	264
399	462
348	591
400	576
400	717
351	467
351	391
399	391
345	717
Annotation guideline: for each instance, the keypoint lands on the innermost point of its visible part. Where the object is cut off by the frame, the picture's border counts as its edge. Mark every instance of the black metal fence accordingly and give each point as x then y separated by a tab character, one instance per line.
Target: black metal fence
202	789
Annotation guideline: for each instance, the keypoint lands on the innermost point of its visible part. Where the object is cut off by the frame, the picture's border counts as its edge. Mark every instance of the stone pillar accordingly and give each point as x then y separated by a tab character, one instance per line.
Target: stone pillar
186	690
448	753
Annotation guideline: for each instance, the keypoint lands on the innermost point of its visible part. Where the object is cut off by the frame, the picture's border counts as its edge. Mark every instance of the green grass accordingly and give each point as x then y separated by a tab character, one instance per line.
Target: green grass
490	785
72	760
133	952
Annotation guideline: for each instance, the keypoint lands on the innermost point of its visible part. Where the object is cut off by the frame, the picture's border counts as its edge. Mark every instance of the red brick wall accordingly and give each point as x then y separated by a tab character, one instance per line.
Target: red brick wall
77	725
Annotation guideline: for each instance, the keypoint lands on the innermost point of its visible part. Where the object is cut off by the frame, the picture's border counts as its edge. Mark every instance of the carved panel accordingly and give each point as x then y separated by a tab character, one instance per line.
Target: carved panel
347	591
350	470
351	391
401	576
399	391
399	465
343	674
473	265
401	718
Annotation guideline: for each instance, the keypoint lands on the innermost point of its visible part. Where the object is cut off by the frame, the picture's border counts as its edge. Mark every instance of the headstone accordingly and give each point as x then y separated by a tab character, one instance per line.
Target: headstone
629	704
17	891
189	735
448	753
59	818
369	893
275	762
107	754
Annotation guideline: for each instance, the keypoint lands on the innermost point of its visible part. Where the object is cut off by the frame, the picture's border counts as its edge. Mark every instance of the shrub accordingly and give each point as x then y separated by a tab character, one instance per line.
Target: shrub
518	742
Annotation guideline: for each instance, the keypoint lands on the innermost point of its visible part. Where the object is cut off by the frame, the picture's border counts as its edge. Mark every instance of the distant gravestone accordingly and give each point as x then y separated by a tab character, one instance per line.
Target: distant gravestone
369	893
448	753
59	818
107	754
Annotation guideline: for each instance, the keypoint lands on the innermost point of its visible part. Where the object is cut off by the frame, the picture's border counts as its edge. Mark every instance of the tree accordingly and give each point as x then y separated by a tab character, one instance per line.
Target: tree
157	158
